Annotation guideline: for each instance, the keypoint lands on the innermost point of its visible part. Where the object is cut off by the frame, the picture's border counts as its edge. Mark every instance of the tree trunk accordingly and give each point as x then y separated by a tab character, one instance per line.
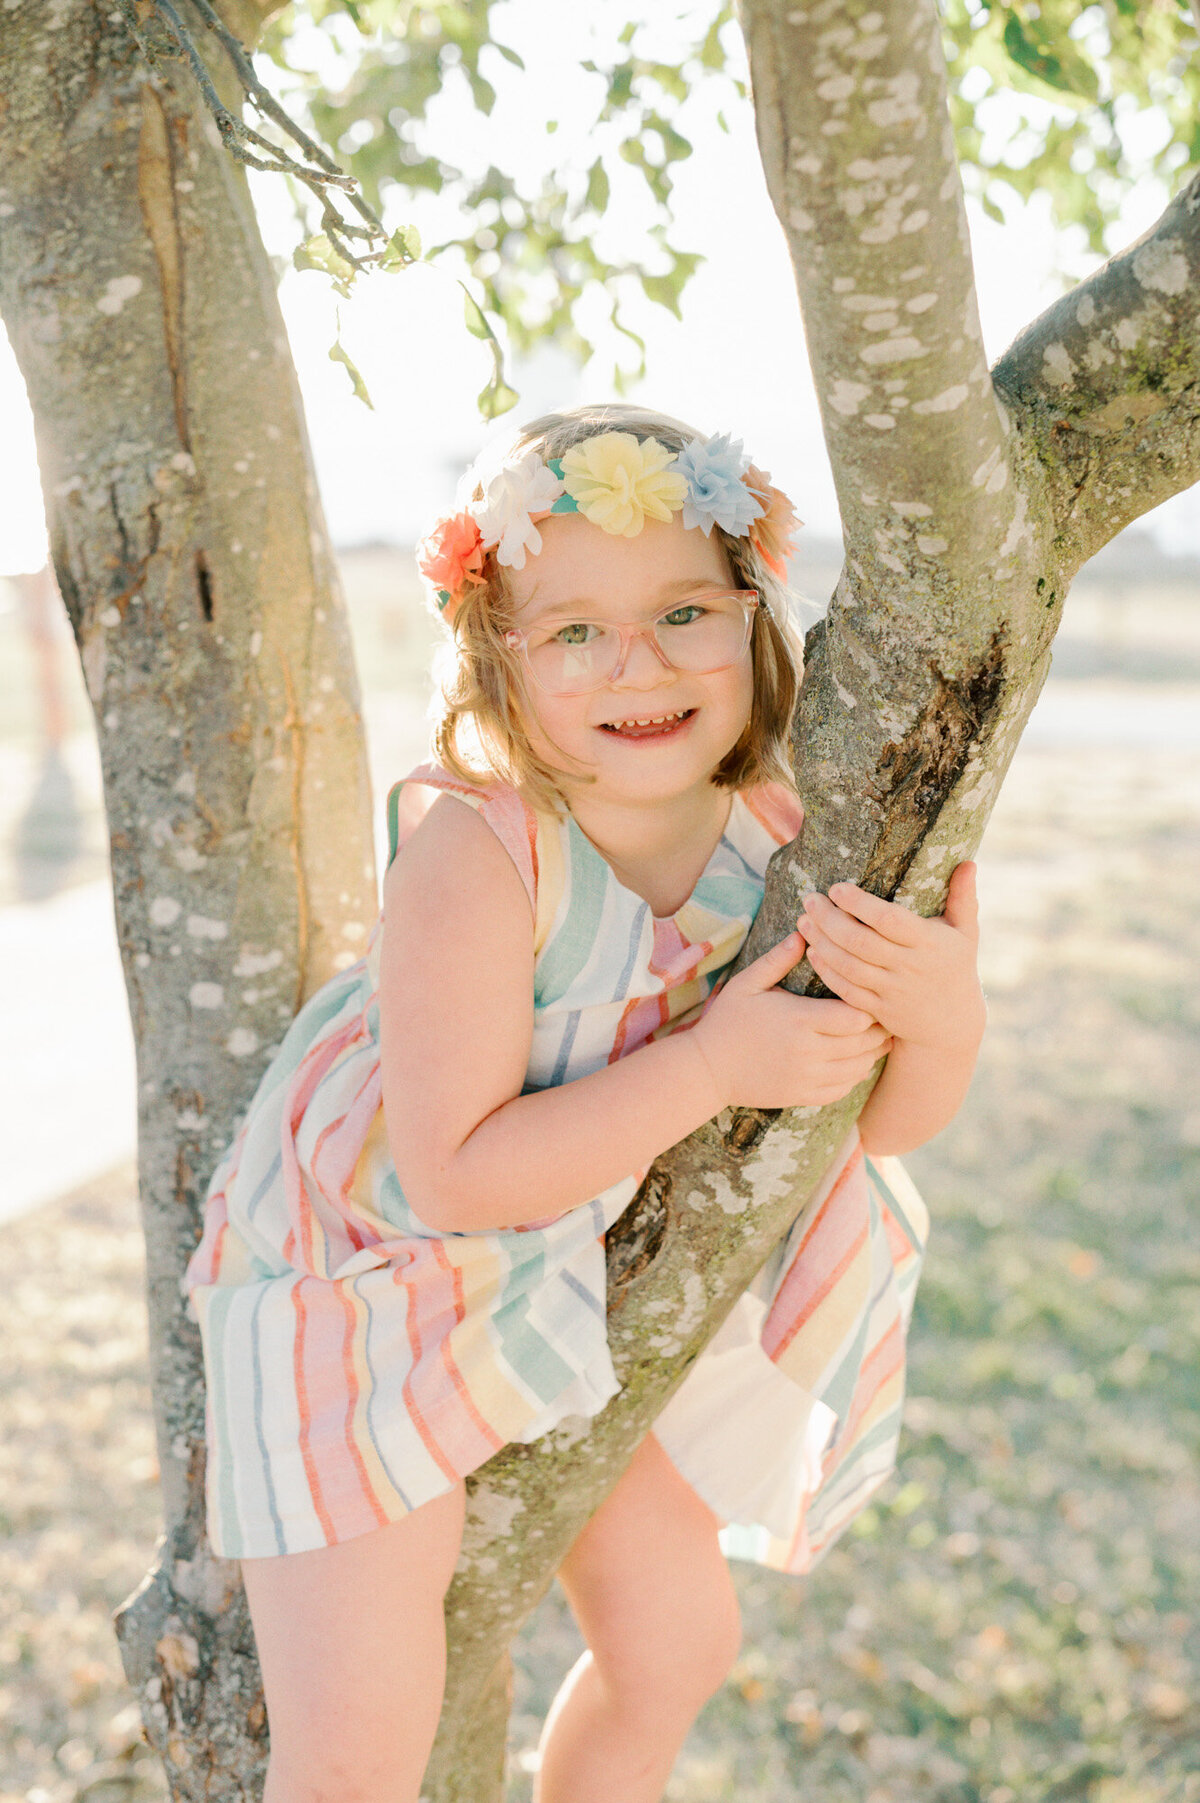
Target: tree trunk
190	549
189	546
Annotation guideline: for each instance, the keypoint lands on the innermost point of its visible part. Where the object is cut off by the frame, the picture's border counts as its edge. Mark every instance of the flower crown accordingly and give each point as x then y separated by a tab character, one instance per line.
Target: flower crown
617	481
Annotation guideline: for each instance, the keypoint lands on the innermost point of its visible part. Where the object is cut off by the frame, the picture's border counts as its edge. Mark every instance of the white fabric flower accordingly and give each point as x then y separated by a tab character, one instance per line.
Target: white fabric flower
504	511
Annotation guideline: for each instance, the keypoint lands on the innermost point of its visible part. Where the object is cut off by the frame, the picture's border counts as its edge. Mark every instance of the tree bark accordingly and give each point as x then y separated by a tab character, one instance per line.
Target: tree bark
189	546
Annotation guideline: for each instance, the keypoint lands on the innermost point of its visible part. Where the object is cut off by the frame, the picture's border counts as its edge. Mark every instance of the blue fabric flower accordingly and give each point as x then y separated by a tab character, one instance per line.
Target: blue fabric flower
716	495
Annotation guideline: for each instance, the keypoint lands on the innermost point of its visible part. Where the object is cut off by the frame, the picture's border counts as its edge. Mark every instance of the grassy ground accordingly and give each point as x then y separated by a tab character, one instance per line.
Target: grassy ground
1016	1616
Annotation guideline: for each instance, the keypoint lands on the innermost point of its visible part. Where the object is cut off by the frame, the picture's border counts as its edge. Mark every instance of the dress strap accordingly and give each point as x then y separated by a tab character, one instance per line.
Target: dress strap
514	823
777	809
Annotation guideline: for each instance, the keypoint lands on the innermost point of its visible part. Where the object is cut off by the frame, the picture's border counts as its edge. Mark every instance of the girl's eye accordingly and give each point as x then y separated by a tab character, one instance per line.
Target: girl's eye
578	633
684	615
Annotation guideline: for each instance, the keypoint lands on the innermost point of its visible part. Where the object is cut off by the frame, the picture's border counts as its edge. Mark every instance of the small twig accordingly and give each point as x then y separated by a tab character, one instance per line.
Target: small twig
319	175
235	131
263	99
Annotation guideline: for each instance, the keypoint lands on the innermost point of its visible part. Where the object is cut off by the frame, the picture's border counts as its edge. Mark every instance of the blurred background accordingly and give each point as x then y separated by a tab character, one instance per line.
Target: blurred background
1016	1616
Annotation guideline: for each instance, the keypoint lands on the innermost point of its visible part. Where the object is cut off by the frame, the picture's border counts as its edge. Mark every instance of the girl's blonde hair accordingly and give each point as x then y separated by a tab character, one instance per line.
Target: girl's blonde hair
479	734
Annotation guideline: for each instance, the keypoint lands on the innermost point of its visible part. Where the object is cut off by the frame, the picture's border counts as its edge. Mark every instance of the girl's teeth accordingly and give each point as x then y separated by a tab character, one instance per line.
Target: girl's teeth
656	720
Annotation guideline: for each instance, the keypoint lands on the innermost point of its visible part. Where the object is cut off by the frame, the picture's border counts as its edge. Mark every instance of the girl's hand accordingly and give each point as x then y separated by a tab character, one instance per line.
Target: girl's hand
916	976
768	1049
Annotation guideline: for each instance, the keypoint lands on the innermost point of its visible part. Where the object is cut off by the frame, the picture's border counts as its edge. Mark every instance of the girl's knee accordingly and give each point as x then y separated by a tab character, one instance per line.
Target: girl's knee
338	1754
321	1780
683	1649
719	1635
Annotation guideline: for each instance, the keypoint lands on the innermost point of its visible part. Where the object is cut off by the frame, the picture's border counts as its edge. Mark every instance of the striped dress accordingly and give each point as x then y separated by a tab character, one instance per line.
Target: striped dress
358	1362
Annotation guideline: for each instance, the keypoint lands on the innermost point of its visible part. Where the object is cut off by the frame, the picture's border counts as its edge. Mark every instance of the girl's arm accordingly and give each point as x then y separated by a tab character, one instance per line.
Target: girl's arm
456	1022
918	978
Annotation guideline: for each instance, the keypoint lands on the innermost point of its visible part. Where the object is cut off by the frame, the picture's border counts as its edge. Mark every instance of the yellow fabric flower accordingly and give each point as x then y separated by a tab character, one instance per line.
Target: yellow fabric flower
617	482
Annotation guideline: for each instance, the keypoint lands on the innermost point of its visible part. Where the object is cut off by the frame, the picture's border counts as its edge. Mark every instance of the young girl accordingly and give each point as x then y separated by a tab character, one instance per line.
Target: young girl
402	1267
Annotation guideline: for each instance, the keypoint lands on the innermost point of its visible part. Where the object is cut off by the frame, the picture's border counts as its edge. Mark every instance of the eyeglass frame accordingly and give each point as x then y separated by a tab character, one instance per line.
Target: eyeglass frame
752	603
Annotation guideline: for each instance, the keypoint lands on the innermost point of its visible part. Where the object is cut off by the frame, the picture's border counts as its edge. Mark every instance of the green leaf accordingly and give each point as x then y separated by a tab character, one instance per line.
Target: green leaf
317	252
477	325
403	247
339	354
509	55
482	92
497	398
711	52
665	290
1056	62
598	186
620	84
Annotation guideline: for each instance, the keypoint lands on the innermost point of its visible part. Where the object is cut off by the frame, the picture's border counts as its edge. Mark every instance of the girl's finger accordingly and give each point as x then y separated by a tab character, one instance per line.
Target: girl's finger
836	1092
865	1055
836	1019
835	924
847	964
774	965
848	992
962	903
895	923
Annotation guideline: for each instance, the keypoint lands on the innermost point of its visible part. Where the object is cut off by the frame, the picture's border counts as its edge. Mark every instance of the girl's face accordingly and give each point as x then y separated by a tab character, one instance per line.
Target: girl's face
585	573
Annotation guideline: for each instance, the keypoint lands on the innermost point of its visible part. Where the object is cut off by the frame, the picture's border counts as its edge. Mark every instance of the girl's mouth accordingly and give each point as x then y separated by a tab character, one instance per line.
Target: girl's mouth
657	726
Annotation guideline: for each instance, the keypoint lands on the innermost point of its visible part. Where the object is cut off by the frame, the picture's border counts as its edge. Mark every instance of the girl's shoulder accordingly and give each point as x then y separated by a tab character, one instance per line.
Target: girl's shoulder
511	819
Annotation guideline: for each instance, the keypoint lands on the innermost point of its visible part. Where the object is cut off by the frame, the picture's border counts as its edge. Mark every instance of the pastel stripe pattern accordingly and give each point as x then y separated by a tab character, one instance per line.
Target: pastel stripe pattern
358	1362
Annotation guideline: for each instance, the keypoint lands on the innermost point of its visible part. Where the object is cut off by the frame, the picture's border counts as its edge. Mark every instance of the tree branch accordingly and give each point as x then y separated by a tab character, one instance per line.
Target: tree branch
859	154
1105	385
859	157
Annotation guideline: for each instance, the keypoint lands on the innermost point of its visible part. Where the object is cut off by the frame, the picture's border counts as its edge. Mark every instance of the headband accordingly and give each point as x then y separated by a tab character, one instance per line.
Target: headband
617	481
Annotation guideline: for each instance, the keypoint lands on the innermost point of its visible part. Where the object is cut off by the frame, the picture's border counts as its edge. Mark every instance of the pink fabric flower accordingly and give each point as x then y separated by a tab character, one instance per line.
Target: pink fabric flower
773	534
452	555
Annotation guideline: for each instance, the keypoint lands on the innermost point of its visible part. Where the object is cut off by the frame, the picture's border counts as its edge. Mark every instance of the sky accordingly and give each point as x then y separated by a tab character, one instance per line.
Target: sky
735	362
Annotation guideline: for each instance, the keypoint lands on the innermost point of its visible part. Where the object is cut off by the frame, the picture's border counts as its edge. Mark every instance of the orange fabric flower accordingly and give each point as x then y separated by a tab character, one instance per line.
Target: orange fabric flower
452	555
773	534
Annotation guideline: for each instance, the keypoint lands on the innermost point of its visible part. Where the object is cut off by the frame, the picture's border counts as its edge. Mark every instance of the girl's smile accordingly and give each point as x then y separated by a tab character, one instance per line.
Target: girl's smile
661	726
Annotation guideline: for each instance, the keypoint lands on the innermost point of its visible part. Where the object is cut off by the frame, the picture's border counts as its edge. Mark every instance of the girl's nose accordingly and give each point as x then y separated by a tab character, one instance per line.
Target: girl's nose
641	665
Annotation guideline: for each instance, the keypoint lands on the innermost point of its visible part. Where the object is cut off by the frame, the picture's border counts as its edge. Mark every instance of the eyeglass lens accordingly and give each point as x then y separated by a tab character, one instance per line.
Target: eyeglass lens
700	636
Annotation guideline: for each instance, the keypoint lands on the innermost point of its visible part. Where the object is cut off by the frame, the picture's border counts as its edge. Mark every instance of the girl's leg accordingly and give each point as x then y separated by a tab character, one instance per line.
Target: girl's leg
651	1591
352	1645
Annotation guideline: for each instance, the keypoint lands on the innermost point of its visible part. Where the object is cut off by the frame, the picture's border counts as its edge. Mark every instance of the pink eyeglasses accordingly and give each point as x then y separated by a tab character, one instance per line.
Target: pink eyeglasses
701	634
